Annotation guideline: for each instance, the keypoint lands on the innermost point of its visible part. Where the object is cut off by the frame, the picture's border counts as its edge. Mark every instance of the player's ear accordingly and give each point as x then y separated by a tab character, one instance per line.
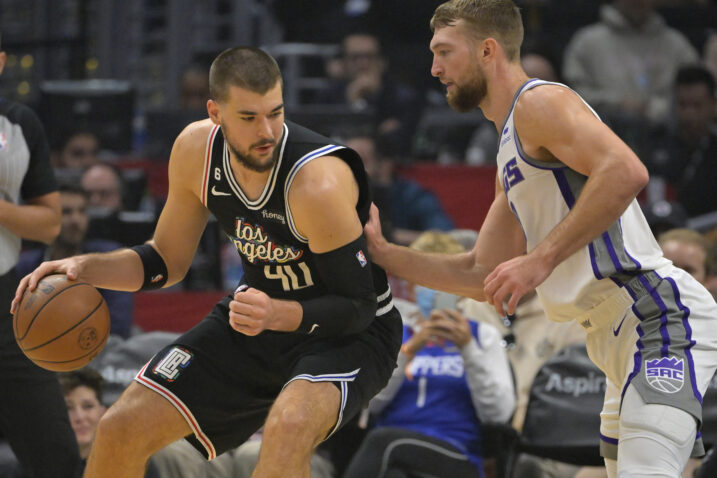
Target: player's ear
488	49
213	110
3	57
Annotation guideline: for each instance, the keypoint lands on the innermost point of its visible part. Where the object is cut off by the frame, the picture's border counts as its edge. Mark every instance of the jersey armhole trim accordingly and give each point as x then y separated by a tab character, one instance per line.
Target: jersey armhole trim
303	161
208	163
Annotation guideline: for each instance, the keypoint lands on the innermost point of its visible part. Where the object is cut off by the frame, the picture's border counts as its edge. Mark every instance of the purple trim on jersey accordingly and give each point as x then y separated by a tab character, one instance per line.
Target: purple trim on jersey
637	358
565	190
688	335
606	439
536	163
665	349
562	180
512	105
613	253
512	206
637	263
593	261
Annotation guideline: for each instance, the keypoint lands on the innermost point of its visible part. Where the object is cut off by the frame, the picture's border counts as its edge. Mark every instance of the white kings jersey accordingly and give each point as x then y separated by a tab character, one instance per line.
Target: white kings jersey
541	194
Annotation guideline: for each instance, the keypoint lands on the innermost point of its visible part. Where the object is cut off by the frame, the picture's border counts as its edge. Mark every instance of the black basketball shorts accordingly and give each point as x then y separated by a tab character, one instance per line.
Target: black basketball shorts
224	382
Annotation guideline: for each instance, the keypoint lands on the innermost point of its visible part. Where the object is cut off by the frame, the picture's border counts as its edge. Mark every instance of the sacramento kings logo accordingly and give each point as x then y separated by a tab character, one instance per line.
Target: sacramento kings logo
665	374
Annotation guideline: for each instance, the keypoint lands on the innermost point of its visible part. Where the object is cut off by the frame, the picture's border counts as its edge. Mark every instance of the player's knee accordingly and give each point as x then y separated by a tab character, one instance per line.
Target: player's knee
291	421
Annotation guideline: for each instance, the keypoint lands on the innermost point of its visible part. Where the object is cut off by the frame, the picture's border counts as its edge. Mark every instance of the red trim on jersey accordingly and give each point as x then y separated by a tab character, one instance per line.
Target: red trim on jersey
207	162
179	405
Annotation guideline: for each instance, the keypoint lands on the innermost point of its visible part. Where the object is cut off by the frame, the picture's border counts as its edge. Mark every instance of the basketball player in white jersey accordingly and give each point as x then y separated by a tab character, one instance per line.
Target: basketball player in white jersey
565	222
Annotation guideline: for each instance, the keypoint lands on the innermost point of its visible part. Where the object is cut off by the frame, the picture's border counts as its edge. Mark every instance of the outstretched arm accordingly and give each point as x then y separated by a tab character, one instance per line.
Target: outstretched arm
500	239
176	237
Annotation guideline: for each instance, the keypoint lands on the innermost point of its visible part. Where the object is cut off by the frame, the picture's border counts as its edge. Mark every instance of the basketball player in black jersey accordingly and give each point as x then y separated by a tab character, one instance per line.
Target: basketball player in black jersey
311	333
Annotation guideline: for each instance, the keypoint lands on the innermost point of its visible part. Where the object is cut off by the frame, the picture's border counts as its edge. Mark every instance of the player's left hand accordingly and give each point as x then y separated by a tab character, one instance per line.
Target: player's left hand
251	311
511	280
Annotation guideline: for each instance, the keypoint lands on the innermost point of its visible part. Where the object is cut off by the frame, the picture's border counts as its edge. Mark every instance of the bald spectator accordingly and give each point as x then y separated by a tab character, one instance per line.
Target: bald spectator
105	190
103	185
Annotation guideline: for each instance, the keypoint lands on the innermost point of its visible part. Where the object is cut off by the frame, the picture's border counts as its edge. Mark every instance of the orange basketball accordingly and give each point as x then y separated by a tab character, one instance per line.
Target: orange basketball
62	324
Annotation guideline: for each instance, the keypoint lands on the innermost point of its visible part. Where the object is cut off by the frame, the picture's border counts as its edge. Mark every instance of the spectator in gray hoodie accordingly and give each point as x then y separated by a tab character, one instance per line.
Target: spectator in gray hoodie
625	63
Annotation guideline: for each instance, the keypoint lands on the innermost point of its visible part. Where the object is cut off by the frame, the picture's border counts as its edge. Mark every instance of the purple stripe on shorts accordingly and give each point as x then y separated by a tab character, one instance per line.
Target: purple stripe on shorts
664	350
606	439
688	335
637	361
593	261
612	252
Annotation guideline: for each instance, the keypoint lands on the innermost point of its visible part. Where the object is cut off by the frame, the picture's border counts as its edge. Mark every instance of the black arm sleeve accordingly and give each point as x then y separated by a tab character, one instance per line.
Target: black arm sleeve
350	305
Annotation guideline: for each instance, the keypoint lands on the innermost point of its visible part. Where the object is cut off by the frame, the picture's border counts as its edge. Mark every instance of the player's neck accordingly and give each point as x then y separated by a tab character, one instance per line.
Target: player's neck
251	182
501	91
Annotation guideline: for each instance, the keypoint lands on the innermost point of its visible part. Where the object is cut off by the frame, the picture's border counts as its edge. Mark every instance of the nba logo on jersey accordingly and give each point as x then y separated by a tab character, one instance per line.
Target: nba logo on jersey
665	374
172	364
361	258
3	141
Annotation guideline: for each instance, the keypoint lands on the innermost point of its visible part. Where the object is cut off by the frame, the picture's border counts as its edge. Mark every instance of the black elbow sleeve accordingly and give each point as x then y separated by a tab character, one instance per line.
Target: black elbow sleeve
350	305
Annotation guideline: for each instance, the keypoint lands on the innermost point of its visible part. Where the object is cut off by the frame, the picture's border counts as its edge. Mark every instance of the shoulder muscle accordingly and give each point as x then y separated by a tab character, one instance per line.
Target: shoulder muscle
323	201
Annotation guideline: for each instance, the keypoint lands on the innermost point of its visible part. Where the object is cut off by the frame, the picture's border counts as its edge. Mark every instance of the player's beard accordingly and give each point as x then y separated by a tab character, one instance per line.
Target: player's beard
467	97
251	162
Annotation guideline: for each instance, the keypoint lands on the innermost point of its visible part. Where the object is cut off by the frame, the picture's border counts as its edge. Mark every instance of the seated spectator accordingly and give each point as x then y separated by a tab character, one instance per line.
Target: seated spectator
71	241
684	154
624	64
105	187
365	84
407	208
531	339
687	249
83	394
82	390
452	376
79	151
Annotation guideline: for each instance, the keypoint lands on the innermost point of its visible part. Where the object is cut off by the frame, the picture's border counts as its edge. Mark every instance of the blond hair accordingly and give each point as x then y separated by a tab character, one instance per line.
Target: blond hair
498	19
690	236
435	241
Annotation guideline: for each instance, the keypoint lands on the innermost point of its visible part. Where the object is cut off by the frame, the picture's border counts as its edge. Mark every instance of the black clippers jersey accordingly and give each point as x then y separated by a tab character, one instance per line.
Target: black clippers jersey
275	257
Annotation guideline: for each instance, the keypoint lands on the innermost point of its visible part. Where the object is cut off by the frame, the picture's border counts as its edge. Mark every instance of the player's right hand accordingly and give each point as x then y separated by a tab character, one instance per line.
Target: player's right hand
374	236
70	267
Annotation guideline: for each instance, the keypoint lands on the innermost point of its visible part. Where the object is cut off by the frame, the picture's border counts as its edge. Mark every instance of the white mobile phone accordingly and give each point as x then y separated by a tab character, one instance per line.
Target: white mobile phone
444	300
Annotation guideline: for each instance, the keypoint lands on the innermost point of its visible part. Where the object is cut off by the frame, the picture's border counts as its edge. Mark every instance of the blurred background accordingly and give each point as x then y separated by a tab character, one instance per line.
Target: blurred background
114	82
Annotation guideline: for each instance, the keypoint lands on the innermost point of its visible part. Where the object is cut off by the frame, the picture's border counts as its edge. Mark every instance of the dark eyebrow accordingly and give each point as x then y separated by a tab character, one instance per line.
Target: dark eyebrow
254	113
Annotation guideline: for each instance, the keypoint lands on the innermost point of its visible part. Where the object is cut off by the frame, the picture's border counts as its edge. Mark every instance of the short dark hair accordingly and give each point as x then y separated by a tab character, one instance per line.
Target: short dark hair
70	187
246	67
695	74
87	377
